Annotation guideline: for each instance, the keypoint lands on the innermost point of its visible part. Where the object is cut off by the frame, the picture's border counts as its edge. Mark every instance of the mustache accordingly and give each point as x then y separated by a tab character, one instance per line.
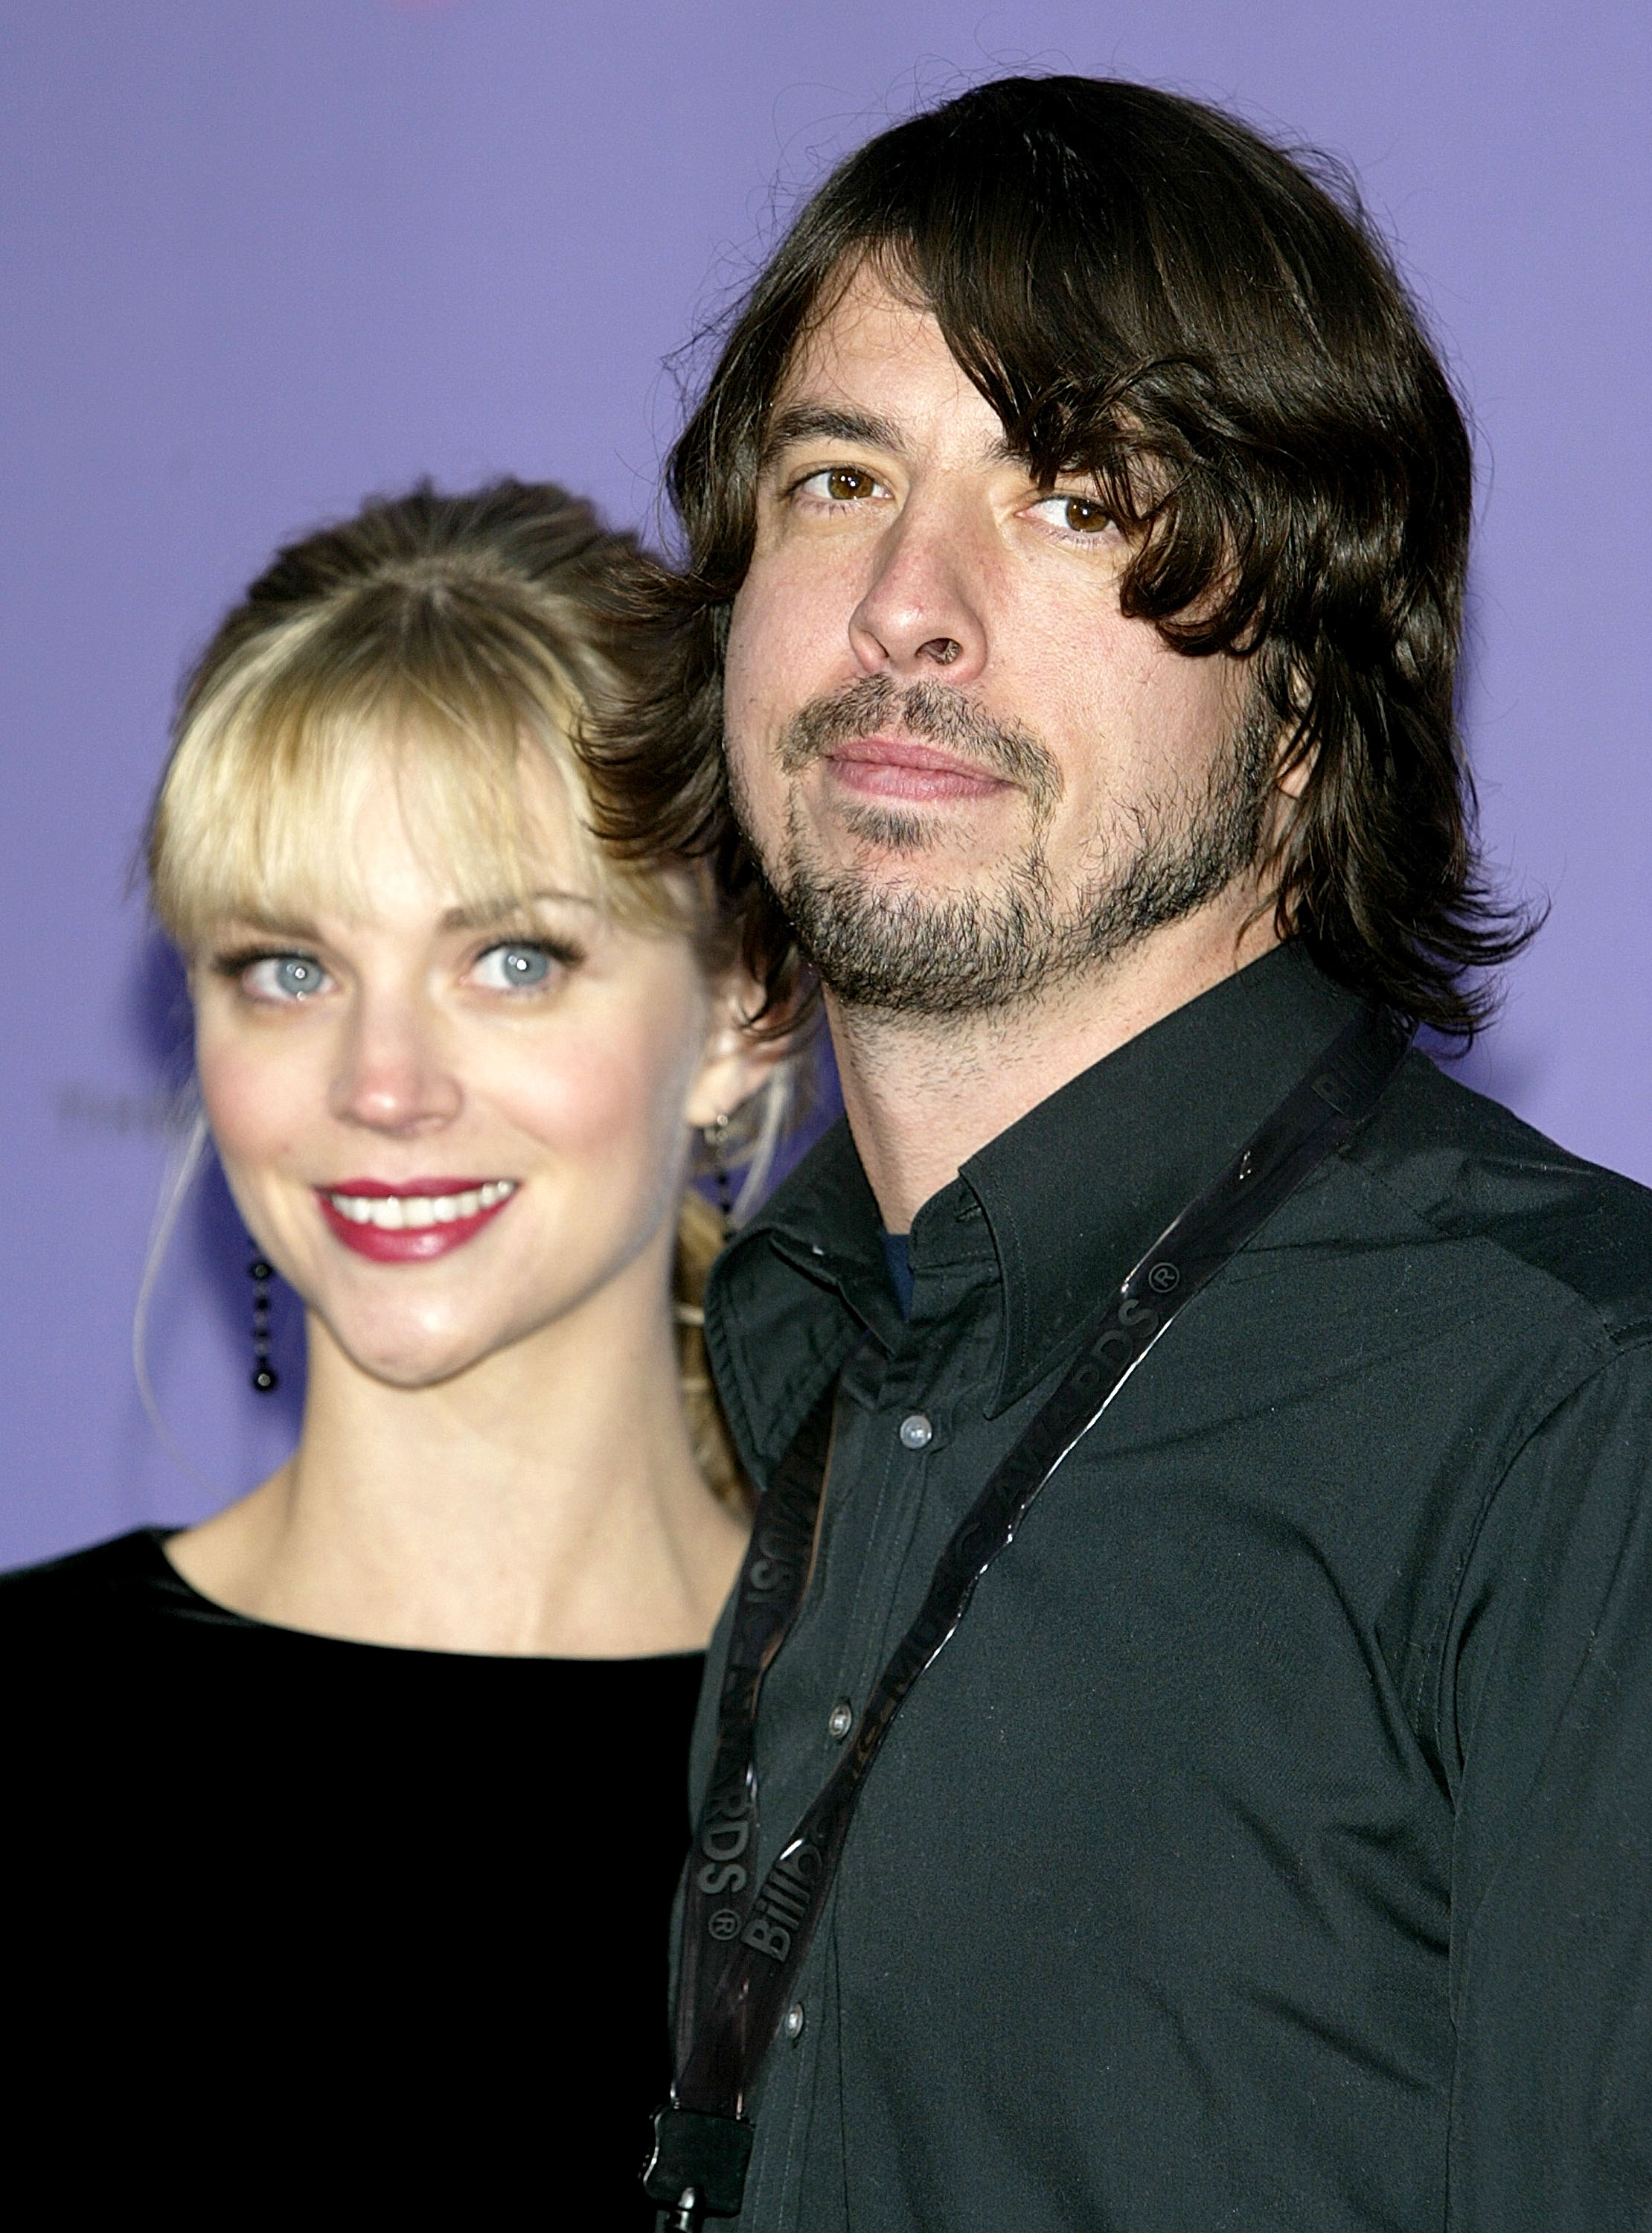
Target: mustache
932	714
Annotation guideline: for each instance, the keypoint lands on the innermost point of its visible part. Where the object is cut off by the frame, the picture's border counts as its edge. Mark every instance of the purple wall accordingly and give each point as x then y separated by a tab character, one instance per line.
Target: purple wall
262	259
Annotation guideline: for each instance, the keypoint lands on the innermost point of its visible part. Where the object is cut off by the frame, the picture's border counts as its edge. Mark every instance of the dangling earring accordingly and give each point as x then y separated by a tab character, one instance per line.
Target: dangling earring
715	1136
265	1378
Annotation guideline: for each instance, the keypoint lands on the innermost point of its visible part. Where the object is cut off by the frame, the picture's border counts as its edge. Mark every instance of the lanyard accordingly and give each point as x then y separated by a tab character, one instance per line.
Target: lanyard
742	1948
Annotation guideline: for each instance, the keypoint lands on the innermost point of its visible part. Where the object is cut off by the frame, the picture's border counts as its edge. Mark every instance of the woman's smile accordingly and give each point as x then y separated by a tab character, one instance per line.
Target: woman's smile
412	1219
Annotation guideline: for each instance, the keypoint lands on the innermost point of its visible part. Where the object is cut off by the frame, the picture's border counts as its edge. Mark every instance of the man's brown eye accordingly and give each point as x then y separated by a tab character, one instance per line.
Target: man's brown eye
1083	516
844	484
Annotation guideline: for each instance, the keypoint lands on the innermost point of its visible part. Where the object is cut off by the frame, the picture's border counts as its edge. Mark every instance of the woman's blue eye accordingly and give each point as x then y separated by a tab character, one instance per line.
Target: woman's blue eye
285	977
507	967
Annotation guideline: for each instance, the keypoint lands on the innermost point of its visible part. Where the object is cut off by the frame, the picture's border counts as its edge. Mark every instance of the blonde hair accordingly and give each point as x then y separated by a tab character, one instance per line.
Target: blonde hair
466	640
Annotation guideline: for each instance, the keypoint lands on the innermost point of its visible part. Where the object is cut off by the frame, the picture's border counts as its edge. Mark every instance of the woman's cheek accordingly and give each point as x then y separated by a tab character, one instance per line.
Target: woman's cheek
256	1101
235	1090
593	1110
615	1093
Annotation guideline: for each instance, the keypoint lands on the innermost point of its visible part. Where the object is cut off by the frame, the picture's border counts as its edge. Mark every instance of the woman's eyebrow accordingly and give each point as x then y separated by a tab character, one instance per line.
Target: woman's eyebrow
487	914
264	925
821	422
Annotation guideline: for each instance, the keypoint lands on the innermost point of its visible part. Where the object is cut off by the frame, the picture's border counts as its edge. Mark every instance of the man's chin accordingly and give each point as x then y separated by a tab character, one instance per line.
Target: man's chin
899	944
883	850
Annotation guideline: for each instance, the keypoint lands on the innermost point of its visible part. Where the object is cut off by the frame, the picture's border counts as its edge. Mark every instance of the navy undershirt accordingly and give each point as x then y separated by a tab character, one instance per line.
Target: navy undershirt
898	1256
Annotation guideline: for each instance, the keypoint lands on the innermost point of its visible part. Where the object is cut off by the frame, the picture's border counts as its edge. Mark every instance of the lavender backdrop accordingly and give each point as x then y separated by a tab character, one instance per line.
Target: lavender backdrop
261	259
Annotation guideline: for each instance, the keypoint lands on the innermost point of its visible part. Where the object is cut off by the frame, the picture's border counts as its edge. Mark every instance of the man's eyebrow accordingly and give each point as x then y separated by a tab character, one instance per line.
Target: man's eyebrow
822	422
487	914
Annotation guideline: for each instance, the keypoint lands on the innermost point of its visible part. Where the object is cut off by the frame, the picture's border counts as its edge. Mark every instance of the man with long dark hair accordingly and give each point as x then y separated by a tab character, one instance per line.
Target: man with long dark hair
1062	665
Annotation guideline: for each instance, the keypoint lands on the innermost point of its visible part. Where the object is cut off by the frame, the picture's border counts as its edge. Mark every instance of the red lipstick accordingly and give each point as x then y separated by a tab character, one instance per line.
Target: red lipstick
410	1221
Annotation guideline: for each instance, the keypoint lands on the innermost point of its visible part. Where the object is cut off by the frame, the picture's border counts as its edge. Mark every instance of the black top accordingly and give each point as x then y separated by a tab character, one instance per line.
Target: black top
1271	1846
331	1926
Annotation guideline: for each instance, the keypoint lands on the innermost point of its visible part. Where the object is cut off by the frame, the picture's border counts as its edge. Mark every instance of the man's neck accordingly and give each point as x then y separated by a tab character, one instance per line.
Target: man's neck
923	1095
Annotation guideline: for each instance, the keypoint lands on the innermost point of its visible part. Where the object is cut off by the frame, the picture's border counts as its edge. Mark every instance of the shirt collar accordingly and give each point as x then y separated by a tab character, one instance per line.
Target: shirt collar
778	1329
1072	1195
1079	1189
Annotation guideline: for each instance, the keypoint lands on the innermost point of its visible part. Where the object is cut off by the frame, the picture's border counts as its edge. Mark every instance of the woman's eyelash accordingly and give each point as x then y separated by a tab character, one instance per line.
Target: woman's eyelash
557	949
237	963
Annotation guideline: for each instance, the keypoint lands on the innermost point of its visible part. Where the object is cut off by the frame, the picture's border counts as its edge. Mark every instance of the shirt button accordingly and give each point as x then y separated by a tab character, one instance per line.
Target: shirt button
794	2024
841	1720
916	1433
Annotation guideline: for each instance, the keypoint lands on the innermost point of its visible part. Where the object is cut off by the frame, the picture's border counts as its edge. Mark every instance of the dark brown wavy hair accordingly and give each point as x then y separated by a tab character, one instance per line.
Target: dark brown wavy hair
1147	291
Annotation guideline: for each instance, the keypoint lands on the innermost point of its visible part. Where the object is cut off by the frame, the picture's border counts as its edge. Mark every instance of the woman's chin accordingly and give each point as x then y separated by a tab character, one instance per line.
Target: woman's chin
413	1357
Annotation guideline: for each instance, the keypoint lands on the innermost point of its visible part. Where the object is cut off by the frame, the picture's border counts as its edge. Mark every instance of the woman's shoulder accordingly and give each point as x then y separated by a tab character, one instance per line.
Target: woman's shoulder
110	1582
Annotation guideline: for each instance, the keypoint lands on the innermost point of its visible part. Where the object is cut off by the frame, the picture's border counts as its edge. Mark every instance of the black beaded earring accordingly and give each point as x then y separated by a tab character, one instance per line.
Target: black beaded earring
715	1136
265	1378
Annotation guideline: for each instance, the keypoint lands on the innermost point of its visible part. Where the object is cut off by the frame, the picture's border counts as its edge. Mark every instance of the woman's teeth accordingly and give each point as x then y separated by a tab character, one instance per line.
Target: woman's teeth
392	1212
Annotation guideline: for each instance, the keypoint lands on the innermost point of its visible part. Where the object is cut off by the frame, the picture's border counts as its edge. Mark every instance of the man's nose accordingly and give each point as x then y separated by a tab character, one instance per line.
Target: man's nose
922	616
392	1076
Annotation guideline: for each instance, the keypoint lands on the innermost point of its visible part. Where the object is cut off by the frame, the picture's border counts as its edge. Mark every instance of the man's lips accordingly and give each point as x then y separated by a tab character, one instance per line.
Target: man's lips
901	768
410	1220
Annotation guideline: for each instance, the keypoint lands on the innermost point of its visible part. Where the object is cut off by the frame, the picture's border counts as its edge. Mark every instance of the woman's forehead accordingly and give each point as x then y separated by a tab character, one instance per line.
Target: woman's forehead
412	815
401	841
407	866
470	832
401	869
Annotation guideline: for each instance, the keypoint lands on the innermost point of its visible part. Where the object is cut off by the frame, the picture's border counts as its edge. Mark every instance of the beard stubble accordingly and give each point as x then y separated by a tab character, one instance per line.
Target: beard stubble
897	951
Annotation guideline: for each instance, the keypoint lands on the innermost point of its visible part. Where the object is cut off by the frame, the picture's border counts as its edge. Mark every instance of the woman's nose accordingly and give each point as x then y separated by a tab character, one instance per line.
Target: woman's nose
392	1077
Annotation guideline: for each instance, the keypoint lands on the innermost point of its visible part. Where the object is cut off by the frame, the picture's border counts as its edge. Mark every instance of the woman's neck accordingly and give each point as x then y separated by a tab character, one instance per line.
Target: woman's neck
545	1501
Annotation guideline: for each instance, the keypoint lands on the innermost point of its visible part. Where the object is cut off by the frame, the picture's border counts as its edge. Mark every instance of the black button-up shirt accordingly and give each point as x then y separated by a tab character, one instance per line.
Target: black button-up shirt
1270	1847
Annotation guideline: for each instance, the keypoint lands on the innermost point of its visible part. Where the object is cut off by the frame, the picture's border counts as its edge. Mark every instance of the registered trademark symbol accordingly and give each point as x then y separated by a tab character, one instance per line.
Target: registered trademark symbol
1162	1278
726	1923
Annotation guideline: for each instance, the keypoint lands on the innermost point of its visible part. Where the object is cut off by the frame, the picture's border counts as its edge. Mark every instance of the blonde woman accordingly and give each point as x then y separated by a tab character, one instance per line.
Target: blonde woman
358	1808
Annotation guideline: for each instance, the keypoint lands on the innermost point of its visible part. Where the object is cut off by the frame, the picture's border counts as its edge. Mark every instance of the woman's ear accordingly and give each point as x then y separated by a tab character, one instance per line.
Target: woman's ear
738	1061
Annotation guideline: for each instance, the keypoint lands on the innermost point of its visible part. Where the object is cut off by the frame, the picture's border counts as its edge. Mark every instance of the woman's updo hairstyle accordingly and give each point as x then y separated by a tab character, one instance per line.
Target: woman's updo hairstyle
453	637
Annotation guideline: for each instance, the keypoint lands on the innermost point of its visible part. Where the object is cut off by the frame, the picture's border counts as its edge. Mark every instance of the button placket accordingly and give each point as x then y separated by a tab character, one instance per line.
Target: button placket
924	1492
919	1372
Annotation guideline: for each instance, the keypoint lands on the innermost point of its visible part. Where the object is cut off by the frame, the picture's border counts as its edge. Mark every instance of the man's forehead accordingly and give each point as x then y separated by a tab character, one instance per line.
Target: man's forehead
875	367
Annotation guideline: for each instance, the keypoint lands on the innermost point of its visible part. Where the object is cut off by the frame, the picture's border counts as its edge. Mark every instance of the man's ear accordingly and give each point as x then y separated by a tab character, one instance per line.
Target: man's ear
1293	760
739	1062
1291	779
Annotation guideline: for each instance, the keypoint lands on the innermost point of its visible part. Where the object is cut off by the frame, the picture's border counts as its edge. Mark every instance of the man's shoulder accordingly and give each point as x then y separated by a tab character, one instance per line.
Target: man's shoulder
1470	1170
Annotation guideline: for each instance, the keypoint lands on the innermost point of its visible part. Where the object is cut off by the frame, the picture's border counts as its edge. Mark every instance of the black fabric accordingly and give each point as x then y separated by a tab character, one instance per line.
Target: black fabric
351	1931
898	1260
1272	1846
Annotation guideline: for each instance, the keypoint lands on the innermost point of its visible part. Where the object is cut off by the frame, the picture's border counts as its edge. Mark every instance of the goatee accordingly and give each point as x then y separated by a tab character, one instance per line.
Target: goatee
899	950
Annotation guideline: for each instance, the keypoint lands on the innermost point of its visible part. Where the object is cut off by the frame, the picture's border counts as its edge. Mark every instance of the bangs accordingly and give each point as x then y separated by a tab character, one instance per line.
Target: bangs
1150	296
460	698
1067	262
